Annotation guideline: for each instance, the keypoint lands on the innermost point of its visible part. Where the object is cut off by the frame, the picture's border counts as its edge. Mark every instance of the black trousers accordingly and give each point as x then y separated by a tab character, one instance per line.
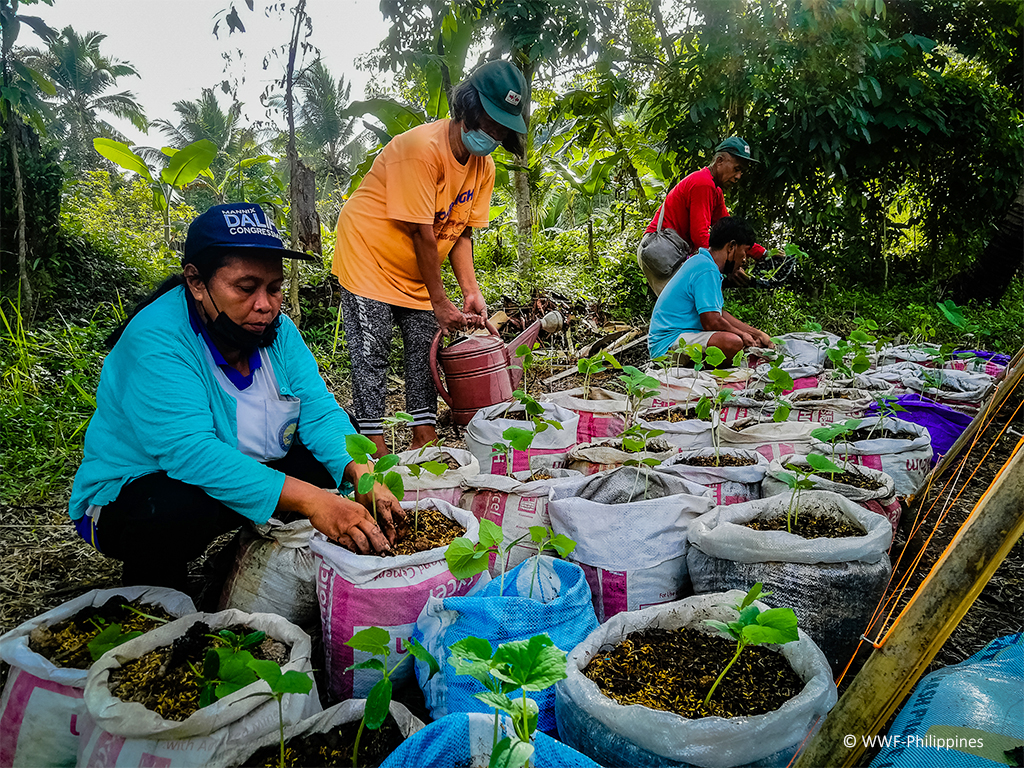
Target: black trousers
157	524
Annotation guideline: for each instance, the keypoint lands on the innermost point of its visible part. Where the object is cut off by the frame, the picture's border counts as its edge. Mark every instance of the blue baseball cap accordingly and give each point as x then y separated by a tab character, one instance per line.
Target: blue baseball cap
241	227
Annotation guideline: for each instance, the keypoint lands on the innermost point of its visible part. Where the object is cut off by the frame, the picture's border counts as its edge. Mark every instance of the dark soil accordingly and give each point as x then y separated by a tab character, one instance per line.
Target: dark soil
851	478
673	670
723	460
654	445
165	680
831	395
66	643
540	474
808	526
434	530
448	461
866	433
333	748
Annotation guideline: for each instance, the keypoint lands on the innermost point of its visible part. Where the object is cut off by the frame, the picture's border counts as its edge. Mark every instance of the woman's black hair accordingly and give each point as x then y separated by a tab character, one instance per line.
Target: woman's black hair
206	267
466	106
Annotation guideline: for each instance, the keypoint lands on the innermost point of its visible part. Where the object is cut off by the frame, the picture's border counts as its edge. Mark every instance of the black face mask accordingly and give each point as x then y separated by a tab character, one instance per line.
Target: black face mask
224	330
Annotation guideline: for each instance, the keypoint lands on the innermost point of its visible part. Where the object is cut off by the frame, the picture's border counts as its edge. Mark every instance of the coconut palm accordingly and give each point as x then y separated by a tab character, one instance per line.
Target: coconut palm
324	131
204	119
83	76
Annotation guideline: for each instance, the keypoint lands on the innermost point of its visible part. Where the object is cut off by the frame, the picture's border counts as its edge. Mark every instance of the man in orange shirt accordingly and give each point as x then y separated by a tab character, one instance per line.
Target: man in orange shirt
427	190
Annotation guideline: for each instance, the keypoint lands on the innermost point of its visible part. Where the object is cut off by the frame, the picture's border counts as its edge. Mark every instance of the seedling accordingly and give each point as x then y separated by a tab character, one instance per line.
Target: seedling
639	386
528	665
226	668
360	448
888	407
753	626
955	315
110	636
436	468
834	433
778	382
858	348
634	440
588	366
503	449
281	683
376	642
393	422
708	405
545	538
466	559
526	353
801	482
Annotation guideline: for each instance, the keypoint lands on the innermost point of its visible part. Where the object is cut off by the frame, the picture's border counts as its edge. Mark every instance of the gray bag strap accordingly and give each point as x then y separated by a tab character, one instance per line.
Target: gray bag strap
661	214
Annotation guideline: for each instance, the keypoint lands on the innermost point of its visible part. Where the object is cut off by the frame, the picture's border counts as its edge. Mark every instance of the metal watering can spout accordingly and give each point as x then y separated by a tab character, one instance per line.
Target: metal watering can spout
550	323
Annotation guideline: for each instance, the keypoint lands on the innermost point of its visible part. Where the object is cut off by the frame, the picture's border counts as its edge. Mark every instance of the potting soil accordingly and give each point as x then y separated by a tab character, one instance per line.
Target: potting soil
807	526
673	670
432	530
332	748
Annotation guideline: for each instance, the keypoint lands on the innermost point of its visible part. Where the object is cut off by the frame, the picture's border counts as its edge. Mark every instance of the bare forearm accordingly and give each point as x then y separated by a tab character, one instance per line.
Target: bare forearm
738	325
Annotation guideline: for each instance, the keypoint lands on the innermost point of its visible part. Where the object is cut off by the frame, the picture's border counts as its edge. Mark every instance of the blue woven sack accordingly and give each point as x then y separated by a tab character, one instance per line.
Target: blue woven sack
462	740
561	606
968	715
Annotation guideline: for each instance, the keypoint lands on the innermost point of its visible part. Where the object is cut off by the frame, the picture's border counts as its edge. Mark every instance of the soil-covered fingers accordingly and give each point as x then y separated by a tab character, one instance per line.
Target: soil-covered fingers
389	513
350	525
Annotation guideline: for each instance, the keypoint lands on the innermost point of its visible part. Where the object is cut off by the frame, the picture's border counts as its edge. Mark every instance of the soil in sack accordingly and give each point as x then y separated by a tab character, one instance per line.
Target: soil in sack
673	669
433	530
808	526
851	478
883	433
168	680
332	748
722	460
66	643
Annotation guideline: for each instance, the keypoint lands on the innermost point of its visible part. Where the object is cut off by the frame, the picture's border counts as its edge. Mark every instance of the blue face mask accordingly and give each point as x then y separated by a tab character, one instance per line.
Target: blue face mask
478	142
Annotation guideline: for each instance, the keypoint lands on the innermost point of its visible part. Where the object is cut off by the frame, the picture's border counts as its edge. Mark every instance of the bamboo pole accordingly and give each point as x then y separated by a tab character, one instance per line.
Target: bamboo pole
891	671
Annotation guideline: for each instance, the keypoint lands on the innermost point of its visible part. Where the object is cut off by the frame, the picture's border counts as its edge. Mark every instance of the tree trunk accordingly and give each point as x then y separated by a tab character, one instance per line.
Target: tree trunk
521	185
991	274
19	196
659	23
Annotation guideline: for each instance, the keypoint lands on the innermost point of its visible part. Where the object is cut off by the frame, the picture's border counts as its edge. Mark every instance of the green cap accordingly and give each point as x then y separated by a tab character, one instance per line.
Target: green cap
734	145
502	90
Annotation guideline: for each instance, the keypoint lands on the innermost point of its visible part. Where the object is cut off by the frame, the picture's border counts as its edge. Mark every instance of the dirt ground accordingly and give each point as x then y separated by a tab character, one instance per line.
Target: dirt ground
43	563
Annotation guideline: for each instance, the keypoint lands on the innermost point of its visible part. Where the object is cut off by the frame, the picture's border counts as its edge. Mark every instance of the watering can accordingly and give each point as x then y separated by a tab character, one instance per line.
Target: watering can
483	370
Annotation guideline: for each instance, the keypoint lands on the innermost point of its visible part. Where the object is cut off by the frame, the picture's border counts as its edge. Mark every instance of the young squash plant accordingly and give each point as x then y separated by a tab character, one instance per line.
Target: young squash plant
281	683
376	642
436	468
753	626
361	448
639	386
835	433
800	481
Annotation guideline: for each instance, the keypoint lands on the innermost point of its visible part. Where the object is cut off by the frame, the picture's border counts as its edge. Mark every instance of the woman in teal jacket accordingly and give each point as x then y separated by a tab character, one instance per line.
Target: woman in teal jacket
210	409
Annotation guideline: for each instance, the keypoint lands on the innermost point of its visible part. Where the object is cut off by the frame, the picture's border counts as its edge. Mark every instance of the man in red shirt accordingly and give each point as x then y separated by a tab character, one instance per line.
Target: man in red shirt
696	203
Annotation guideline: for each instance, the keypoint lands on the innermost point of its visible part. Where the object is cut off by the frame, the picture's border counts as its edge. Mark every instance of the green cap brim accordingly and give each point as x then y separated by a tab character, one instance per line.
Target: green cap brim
500	116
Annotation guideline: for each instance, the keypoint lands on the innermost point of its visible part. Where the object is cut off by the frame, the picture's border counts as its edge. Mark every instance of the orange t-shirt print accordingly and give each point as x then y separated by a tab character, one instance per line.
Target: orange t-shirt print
415	180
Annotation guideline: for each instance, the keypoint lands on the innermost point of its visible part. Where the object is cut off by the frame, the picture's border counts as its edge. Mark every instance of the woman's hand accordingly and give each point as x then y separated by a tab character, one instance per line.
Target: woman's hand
348	523
475	309
389	512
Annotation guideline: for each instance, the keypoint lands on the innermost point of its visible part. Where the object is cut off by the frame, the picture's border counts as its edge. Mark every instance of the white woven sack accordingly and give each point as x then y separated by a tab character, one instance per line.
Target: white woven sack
894	374
969	390
922	354
805	375
630	529
907	462
769	439
728	484
485	428
127	734
877	386
358	591
808	348
448	486
603	414
678	386
683	435
881	501
350	711
613	734
515	506
274	572
42	711
832	408
601	455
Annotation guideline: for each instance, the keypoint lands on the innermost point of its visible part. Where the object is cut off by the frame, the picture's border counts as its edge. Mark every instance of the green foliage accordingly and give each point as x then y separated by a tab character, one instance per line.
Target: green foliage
360	448
281	683
800	481
754	627
639	387
110	636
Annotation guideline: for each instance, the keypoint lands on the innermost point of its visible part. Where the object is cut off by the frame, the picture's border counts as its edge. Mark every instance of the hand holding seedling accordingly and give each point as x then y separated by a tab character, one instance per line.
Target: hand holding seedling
377	488
754	627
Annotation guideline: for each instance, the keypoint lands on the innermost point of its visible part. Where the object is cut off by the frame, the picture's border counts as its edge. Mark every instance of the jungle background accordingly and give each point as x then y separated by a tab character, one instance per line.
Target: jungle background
889	132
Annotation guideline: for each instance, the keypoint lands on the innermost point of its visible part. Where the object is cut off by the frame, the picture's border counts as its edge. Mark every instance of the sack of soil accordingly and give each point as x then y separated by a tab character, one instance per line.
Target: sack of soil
357	591
447	486
680	386
539	596
126	733
42	711
681	431
486	427
464	741
872	489
921	354
967	705
769	439
978	361
630	529
733	475
878	387
944	424
833	584
515	505
642	737
825	405
274	572
607	453
603	414
808	348
899	448
961	390
327	738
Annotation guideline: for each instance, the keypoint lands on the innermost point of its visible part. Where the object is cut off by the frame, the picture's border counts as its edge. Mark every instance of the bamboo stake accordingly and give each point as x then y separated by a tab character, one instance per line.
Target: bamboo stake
891	671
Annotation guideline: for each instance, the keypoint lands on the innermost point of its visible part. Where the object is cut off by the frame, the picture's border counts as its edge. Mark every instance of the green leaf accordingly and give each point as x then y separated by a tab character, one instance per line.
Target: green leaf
495	700
510	753
359	447
120	154
533	664
376	664
520	439
378	701
787	478
823	463
372	640
109	637
435	467
538	533
748	614
187	164
463	558
472	648
490	534
366	481
267	670
714	357
721	627
294	681
384	463
781	413
776	625
396	484
421	653
756	592
563	545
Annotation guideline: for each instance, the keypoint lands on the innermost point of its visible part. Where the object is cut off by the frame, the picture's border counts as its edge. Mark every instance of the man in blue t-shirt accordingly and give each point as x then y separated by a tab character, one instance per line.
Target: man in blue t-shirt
690	309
